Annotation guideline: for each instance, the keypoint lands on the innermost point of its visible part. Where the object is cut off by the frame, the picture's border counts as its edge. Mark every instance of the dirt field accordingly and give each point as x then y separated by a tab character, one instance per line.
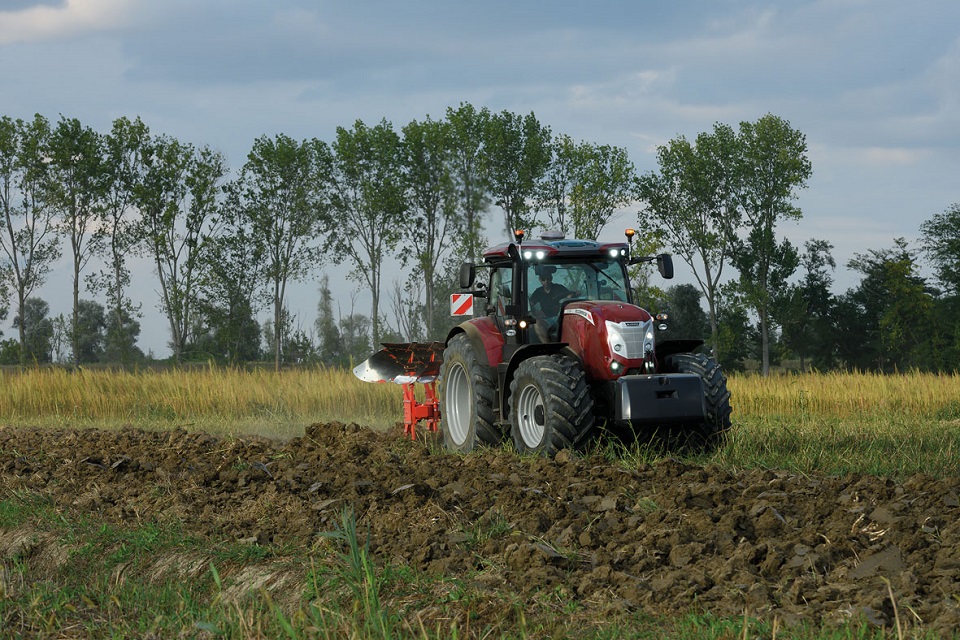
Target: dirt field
664	539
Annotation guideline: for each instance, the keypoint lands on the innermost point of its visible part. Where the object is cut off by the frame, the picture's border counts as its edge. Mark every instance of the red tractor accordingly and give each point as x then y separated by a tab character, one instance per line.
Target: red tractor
561	349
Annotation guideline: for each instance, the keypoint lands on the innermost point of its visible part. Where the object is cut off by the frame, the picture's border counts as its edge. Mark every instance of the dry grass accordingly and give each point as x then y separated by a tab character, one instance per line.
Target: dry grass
897	424
847	395
222	399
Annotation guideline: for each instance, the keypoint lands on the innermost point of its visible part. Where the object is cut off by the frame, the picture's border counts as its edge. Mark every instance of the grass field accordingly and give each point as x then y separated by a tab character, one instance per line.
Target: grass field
836	422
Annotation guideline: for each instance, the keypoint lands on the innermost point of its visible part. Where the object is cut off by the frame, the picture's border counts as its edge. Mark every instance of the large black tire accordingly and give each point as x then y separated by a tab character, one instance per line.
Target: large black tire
468	394
550	405
711	434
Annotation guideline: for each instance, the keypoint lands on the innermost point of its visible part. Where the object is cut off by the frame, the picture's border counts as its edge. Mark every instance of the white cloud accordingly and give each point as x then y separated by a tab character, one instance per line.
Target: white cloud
73	17
891	156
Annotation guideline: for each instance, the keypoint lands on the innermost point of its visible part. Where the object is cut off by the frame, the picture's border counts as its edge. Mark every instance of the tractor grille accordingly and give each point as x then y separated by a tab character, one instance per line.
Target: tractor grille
633	337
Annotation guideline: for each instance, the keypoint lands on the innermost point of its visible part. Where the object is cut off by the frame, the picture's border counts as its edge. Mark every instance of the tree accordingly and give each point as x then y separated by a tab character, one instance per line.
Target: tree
687	319
559	180
355	334
516	156
123	171
78	188
433	226
232	273
120	338
584	185
736	338
605	184
330	346
283	191
177	198
895	307
468	129
37	329
27	235
368	204
689	201
89	329
806	312
941	243
769	166
407	311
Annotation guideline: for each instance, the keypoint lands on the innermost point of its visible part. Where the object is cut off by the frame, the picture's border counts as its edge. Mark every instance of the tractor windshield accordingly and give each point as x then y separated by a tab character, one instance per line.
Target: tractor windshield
588	280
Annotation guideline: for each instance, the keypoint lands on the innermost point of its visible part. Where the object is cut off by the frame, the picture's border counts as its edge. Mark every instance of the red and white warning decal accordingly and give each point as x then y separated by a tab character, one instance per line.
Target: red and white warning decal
461	304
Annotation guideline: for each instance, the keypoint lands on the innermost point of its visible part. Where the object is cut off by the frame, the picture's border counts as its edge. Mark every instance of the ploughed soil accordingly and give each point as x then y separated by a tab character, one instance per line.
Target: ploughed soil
577	537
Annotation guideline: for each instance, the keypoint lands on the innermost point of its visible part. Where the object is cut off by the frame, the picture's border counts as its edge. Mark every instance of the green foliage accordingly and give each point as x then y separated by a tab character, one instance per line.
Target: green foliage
120	337
687	319
122	167
330	348
468	128
584	185
516	156
941	242
358	573
177	198
37	331
891	309
28	239
435	226
368	203
279	213
770	166
420	196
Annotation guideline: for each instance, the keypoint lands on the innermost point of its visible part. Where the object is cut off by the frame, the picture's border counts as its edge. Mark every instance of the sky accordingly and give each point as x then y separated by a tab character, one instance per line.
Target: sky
873	84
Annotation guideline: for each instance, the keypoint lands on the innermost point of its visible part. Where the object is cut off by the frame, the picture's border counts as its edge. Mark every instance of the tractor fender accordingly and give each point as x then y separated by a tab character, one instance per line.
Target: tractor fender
484	336
525	353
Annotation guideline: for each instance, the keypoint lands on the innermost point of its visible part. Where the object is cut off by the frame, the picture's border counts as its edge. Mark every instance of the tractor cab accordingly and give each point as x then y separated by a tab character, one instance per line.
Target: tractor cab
534	284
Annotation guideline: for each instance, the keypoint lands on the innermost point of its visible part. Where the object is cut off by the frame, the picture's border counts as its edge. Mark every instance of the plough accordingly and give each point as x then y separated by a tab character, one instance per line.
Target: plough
407	364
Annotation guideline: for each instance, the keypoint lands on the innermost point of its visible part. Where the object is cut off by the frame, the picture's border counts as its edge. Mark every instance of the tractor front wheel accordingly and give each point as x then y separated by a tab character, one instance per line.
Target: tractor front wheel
468	392
550	405
711	434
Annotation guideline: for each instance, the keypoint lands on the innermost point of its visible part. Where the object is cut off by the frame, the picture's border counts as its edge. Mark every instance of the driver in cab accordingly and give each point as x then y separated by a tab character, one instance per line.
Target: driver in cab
545	302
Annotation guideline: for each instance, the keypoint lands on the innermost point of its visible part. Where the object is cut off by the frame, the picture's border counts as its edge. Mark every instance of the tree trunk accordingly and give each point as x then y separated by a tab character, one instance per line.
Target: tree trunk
764	343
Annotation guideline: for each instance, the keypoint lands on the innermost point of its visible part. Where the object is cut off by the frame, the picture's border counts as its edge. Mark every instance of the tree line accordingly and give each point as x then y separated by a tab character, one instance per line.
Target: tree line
717	202
226	246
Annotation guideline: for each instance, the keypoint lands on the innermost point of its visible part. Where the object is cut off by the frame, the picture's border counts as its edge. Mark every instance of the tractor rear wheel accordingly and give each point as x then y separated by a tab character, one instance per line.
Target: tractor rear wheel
550	405
468	393
711	434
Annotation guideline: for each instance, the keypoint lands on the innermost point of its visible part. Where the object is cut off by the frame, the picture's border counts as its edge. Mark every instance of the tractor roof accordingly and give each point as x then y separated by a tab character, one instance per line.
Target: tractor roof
556	249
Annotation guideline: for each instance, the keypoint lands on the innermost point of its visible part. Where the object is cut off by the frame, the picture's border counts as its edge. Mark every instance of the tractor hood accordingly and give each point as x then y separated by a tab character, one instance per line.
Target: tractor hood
610	337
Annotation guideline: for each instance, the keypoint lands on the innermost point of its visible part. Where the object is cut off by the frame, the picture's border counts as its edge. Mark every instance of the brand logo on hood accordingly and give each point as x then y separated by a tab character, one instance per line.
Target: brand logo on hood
583	313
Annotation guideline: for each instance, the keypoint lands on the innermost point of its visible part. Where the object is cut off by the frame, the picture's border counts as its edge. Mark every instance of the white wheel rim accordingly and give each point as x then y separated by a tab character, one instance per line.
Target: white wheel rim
531	416
459	409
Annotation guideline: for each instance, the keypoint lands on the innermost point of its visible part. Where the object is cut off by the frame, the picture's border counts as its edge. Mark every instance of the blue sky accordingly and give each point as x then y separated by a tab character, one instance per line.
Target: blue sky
874	85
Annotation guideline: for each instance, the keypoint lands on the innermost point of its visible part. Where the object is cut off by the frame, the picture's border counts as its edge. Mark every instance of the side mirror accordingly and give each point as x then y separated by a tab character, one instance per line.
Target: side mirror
468	272
665	265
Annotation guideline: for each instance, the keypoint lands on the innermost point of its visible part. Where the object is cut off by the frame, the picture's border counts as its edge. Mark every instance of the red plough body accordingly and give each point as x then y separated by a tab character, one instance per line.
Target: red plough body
407	364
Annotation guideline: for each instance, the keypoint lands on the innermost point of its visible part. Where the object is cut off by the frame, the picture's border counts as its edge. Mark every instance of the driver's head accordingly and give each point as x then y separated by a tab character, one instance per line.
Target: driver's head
545	273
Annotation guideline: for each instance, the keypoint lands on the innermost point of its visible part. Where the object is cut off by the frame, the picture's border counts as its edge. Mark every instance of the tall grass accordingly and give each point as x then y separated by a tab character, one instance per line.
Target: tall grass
838	395
841	422
838	422
217	398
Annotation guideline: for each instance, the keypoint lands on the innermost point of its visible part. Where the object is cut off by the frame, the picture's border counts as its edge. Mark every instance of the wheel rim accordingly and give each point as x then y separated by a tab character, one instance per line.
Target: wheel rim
531	416
458	405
